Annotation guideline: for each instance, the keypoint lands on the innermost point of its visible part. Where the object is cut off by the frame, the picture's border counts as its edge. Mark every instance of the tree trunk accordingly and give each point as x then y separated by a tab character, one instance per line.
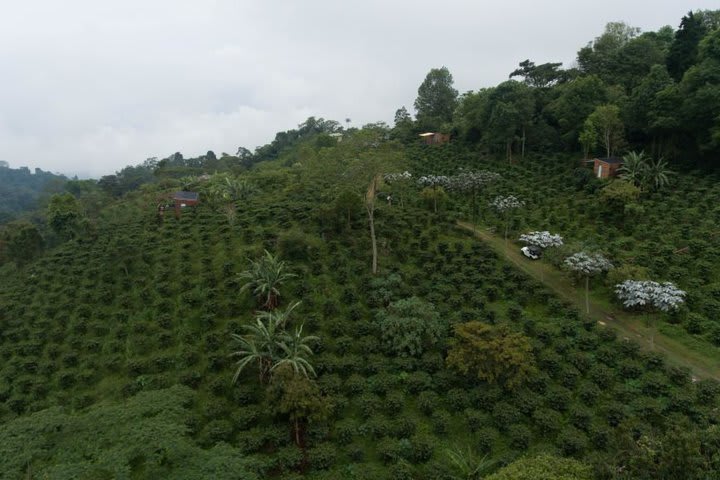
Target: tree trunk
265	366
522	156
371	218
607	143
651	324
507	227
370	208
587	294
271	302
472	206
508	150
653	149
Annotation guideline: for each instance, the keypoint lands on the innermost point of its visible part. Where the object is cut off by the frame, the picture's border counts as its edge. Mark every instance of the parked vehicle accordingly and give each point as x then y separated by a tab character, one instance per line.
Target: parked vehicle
532	252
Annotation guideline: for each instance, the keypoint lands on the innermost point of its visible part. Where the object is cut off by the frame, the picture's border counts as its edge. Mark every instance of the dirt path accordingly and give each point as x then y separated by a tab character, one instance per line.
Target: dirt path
629	326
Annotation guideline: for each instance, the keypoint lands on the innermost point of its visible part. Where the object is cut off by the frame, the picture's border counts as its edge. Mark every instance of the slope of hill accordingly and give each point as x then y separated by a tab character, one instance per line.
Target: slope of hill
149	305
20	190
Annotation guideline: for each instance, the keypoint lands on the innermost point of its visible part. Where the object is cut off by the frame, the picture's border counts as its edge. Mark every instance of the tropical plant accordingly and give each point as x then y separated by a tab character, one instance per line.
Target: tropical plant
657	174
435	182
250	352
264	278
634	168
296	352
259	345
400	181
644	172
647	295
587	265
542	239
505	205
269	345
467	464
186	183
470	182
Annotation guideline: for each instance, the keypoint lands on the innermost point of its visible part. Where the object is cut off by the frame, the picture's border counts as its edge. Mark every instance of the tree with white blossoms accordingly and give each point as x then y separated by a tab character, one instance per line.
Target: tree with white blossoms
434	182
505	206
399	180
542	240
588	265
470	183
648	296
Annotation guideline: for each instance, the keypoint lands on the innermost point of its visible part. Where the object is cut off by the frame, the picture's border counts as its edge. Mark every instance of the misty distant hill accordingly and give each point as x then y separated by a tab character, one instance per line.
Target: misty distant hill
21	189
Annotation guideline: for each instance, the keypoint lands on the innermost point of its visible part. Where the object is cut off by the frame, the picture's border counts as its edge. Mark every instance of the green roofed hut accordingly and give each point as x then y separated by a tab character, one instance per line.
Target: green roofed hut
185	199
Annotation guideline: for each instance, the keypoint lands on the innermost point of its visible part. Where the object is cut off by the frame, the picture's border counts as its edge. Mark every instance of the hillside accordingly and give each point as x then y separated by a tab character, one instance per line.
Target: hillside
150	305
21	189
353	302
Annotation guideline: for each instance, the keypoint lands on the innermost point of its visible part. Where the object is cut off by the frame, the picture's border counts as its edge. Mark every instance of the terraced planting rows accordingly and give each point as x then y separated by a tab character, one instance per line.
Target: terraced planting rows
669	235
148	306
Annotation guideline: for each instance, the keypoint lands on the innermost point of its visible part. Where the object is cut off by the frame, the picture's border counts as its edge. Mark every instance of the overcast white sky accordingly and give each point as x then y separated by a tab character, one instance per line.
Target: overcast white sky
87	87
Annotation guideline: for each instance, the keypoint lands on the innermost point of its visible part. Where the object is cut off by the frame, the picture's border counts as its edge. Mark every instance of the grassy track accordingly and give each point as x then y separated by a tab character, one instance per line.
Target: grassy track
678	349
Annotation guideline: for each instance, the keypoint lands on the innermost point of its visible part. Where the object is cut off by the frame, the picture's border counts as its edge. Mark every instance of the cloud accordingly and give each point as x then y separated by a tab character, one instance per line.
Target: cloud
89	87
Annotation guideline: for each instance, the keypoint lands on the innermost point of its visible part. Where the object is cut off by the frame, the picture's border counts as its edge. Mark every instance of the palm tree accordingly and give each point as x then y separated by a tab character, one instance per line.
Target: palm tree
657	173
264	278
296	349
250	352
278	318
269	345
227	188
468	464
237	188
635	168
187	182
261	344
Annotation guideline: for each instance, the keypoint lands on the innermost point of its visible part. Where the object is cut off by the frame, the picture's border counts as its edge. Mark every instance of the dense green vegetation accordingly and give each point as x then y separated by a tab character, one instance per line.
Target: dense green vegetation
320	314
21	190
669	234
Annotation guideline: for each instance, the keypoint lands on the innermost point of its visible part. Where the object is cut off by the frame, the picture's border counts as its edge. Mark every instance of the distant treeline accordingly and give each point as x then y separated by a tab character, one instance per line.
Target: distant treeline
21	189
657	91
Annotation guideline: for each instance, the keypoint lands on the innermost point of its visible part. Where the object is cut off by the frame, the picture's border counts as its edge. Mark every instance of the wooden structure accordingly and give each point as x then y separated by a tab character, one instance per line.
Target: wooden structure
607	167
184	199
434	138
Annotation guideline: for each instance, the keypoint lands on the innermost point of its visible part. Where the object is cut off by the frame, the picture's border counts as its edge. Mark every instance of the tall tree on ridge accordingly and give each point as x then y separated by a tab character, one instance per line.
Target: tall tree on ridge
684	49
605	120
437	99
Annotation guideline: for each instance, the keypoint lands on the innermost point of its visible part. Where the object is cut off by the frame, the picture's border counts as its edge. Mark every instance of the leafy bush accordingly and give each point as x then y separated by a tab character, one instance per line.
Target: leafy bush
572	441
543	467
409	327
322	456
519	436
